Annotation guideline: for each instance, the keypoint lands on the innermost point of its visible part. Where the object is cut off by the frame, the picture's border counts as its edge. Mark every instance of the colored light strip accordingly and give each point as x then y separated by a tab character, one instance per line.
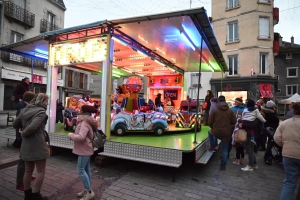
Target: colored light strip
187	38
41	51
159	62
41	55
118	40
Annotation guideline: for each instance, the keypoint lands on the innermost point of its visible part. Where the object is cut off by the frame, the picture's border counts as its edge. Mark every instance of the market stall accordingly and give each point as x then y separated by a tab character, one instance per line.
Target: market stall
161	47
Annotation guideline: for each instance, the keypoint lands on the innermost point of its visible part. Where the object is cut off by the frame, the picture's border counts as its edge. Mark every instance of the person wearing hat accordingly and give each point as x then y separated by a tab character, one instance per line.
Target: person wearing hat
238	109
27	97
83	147
158	102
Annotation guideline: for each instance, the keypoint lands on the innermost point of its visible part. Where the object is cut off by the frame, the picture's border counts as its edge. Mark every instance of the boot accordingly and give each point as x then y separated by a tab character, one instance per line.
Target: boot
28	194
38	196
242	161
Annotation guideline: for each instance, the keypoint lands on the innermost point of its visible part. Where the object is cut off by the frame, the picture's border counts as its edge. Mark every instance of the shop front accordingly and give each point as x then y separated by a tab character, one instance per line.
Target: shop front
245	88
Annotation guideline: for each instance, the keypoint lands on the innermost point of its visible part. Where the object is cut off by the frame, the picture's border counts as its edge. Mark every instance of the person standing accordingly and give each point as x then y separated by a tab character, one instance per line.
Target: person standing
212	139
20	89
287	136
208	97
158	102
83	148
27	97
32	121
59	109
289	113
221	121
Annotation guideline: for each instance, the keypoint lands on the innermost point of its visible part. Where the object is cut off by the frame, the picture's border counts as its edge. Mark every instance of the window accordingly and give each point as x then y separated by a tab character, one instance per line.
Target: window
232	31
291	89
264	1
232	3
264	27
292	72
51	21
15	37
264	66
233	65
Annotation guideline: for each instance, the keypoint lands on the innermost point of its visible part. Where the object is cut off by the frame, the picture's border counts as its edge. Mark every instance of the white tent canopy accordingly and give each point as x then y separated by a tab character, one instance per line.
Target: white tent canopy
294	98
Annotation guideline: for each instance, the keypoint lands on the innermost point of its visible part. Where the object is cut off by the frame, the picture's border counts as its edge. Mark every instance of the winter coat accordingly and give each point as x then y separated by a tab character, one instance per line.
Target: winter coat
83	134
251	115
20	106
271	118
32	120
20	89
207	100
287	136
289	114
238	110
221	120
59	109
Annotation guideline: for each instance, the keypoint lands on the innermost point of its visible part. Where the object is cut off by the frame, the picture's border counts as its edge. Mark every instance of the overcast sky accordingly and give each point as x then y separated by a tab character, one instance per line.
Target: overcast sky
85	11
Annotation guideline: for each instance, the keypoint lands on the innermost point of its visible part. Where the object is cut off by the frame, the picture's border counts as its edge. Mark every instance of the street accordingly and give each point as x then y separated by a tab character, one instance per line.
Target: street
121	179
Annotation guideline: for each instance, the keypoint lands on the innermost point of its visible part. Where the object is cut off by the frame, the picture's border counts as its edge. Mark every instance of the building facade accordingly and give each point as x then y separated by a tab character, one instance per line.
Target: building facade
287	63
21	20
245	33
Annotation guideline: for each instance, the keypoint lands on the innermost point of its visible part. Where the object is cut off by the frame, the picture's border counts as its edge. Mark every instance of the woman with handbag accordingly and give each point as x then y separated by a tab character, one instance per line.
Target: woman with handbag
83	147
31	121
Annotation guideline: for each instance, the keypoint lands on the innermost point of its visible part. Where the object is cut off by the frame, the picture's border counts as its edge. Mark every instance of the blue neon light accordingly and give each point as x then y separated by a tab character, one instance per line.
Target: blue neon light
187	38
41	55
41	51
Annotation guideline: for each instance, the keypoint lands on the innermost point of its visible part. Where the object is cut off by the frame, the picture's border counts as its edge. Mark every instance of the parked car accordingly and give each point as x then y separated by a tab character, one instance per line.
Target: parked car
154	121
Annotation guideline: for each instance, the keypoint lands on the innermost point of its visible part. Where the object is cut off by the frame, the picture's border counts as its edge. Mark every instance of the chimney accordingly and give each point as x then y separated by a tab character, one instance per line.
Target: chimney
292	41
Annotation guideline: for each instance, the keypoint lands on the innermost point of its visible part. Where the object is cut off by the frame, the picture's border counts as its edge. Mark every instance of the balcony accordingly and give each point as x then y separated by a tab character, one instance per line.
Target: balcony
22	60
47	26
18	14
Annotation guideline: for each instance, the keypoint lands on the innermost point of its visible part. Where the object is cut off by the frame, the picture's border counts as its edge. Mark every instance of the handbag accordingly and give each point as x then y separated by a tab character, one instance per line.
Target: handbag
240	135
204	106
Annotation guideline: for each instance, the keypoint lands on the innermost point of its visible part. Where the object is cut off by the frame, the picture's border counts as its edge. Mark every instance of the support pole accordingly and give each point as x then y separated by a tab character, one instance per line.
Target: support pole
32	62
106	88
198	94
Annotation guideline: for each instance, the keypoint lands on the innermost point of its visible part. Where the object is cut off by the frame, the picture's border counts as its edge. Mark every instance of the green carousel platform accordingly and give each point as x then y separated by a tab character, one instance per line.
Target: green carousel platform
146	147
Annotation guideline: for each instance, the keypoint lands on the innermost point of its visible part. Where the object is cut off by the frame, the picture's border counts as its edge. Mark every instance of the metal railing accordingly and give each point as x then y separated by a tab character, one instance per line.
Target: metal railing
19	14
22	60
47	26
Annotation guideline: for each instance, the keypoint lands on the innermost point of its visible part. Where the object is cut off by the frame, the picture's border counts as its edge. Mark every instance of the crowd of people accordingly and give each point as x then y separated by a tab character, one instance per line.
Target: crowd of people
254	118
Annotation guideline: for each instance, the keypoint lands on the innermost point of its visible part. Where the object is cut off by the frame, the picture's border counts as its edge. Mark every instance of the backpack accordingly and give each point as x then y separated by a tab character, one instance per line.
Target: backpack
240	135
99	139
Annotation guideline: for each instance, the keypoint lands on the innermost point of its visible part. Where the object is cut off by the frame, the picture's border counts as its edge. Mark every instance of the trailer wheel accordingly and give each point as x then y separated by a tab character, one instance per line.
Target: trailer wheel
119	129
66	127
159	130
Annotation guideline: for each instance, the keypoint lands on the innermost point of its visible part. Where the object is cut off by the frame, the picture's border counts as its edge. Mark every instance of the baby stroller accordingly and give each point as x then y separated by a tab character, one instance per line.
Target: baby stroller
272	145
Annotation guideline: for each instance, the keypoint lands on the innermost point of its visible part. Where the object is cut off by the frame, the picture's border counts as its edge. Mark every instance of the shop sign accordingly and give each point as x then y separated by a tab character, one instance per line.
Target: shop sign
173	94
37	79
160	81
13	75
230	87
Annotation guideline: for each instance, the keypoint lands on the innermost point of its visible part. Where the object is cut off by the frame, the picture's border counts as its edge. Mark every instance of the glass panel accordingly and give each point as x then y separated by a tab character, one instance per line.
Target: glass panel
235	64
263	64
230	32
230	65
294	89
292	72
236	31
289	90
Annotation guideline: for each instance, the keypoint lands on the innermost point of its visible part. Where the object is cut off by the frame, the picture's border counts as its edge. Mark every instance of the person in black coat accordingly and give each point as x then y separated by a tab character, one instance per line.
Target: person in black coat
158	102
59	109
208	97
21	89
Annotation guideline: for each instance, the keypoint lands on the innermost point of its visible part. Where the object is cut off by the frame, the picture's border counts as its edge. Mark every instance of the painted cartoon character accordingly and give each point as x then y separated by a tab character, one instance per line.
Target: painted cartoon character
148	123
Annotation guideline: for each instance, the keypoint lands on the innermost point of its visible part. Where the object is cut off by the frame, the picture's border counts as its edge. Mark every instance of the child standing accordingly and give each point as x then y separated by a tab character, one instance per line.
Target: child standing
239	146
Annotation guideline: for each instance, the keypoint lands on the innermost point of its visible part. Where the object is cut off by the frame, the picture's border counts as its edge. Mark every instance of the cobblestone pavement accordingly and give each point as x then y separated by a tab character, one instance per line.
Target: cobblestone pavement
132	180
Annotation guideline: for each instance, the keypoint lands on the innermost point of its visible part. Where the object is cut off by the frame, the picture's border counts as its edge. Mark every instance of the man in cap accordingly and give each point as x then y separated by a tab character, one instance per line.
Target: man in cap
221	120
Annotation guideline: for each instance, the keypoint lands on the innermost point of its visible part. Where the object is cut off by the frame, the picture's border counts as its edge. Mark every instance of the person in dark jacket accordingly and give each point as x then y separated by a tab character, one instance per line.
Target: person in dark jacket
208	97
221	120
21	89
34	149
289	114
158	102
27	97
59	109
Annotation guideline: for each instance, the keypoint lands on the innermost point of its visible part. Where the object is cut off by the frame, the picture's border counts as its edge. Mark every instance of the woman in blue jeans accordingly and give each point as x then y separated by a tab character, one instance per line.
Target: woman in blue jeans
287	136
84	149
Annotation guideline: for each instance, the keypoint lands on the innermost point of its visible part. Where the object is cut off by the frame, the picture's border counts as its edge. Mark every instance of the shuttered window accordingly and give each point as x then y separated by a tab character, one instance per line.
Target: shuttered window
264	27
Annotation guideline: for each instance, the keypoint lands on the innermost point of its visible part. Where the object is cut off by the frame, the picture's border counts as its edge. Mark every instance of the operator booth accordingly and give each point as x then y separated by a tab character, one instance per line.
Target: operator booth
161	47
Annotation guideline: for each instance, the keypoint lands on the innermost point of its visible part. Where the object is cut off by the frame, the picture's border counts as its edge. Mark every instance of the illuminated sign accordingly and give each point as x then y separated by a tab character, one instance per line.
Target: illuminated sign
173	94
87	51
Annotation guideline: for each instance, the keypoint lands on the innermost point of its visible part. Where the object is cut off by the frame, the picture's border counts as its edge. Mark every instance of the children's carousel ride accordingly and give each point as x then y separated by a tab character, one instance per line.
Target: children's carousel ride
134	116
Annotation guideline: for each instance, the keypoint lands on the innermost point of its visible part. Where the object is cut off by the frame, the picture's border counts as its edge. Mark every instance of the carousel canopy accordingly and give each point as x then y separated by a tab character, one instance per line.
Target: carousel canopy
160	44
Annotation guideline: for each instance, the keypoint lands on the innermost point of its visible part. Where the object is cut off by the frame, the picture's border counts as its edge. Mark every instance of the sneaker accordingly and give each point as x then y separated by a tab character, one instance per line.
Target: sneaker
212	149
88	195
20	188
255	166
237	162
82	193
247	169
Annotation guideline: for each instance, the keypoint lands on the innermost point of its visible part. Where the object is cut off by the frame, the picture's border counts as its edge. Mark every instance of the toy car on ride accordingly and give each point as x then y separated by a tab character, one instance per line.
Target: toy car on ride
125	121
70	119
